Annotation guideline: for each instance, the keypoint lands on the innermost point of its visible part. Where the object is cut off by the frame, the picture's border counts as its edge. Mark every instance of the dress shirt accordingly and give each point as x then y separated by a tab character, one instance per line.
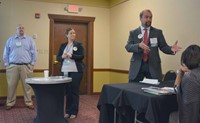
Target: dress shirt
69	64
142	30
20	50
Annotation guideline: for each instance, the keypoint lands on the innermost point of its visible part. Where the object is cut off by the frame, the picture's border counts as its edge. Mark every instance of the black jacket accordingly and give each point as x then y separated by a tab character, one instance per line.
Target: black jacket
77	55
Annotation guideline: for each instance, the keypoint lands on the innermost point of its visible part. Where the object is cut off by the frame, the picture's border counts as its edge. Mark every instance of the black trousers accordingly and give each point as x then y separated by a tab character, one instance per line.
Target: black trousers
143	72
72	93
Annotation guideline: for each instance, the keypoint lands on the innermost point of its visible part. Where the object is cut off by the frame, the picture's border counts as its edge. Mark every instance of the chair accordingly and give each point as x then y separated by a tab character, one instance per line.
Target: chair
170	75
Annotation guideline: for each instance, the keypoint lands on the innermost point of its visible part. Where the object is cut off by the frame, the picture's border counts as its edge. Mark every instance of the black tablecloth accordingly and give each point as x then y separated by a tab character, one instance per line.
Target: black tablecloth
50	103
126	98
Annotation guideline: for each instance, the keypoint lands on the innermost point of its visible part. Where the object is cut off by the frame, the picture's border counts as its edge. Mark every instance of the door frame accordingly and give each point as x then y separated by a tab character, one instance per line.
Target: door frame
77	19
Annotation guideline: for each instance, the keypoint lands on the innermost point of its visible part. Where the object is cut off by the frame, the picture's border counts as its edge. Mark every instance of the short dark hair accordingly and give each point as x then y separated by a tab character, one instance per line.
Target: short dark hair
191	57
142	12
67	30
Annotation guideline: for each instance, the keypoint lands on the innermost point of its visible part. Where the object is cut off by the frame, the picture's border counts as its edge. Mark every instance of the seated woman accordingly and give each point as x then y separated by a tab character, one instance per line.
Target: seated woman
188	83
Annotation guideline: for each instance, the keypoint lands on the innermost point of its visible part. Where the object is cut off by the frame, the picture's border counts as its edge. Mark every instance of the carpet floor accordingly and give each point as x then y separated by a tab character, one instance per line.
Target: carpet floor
88	112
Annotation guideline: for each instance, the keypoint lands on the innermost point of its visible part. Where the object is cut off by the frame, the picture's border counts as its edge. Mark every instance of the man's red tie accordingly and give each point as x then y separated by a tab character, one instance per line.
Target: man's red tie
145	52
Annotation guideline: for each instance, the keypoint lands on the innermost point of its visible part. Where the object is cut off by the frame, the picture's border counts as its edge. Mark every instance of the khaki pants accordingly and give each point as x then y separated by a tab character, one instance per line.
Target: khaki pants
14	73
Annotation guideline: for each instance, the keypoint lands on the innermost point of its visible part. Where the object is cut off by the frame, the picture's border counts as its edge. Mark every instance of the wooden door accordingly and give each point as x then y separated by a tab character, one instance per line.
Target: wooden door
58	25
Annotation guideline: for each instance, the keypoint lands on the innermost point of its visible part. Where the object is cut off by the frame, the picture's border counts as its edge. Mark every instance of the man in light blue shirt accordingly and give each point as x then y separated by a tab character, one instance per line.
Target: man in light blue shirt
19	57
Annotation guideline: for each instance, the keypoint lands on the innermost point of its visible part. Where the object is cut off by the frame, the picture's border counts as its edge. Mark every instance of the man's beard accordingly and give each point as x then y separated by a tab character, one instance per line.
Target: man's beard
148	24
21	33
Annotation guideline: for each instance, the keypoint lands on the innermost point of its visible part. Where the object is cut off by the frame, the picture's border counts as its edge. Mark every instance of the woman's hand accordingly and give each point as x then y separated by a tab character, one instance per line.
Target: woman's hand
184	69
180	74
65	55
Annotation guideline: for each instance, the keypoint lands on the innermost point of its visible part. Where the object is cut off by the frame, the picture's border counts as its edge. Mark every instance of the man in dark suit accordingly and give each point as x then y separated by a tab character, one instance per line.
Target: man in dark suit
144	42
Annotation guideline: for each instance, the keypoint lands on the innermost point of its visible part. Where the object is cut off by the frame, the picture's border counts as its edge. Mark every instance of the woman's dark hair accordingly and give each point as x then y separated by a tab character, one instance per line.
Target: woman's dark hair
191	57
67	30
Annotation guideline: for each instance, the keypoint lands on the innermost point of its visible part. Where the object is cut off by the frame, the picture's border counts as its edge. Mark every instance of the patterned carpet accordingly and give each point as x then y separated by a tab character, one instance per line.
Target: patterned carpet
20	114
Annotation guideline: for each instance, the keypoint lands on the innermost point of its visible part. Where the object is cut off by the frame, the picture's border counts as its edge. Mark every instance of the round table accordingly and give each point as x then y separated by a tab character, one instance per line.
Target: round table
49	93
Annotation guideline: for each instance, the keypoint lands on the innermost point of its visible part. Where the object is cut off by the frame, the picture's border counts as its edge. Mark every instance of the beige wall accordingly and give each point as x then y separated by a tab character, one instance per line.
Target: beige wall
111	26
178	19
13	12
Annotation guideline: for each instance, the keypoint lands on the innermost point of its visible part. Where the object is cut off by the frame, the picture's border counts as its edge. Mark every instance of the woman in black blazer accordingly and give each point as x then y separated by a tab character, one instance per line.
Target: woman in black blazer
71	55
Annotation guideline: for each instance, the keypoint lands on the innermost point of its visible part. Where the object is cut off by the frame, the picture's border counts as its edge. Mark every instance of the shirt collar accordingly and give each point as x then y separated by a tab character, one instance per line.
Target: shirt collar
16	36
142	28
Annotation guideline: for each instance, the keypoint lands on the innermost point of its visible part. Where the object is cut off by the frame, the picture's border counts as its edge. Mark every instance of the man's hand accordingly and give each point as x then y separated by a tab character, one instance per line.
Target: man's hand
32	66
175	48
144	46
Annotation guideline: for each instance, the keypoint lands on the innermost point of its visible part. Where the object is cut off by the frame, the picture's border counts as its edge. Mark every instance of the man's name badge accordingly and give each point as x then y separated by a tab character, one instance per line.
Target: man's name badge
140	36
154	42
18	44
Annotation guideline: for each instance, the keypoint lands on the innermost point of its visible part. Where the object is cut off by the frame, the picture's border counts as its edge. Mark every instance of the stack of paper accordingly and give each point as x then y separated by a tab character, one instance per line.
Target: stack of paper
158	90
150	81
170	89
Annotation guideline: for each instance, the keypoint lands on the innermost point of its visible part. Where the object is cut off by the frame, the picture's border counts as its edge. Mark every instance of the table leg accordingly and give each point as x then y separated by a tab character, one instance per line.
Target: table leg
115	115
135	119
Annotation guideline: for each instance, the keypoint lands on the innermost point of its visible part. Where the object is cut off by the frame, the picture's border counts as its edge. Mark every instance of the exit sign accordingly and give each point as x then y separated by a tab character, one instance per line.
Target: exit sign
73	8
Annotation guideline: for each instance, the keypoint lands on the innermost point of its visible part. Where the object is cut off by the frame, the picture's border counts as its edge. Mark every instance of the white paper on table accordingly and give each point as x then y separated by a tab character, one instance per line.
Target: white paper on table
170	89
159	90
150	81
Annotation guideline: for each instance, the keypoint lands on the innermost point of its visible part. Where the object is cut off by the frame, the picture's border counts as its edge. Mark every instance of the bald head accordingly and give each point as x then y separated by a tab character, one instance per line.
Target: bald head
20	30
142	12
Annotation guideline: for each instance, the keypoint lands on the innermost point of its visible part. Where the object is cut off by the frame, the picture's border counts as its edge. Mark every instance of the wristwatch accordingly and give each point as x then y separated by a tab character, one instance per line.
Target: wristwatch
179	72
